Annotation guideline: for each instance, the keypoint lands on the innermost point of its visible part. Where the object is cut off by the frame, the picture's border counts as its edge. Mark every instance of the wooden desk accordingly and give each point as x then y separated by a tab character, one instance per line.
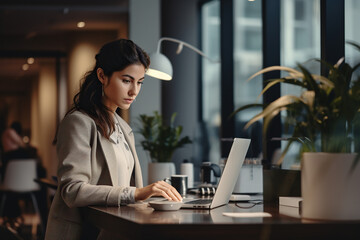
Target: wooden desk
132	223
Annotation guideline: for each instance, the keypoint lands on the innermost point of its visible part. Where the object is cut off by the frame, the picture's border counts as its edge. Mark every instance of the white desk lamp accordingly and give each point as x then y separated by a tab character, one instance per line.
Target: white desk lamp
160	66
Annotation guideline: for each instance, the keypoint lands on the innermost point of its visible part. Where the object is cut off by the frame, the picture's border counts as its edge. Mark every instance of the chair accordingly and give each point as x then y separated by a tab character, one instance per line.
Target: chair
19	180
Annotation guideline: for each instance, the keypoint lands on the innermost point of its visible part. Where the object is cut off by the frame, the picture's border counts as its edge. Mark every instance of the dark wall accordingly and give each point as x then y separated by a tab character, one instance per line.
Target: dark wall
180	20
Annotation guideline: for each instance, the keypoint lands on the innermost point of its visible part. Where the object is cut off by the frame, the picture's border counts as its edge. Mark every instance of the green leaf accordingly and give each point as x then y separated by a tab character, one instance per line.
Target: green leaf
161	139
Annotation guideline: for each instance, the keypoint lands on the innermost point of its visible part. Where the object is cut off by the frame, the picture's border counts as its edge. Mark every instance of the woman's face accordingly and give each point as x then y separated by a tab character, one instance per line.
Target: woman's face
121	89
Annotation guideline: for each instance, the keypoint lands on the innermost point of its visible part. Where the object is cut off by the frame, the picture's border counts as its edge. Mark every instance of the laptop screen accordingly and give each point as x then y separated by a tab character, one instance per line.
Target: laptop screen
231	172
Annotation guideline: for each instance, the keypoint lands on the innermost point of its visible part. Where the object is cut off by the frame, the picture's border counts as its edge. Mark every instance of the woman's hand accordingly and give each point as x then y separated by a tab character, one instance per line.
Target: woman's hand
159	188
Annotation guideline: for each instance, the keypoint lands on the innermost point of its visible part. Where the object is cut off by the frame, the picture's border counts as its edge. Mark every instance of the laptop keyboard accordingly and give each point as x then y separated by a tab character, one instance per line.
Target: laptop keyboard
200	201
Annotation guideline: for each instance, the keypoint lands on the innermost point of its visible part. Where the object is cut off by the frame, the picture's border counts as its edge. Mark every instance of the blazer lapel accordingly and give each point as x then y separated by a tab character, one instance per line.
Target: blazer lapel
110	158
129	136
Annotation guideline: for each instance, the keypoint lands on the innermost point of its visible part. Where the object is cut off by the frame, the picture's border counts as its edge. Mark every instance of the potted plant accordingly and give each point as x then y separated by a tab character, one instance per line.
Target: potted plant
326	119
161	140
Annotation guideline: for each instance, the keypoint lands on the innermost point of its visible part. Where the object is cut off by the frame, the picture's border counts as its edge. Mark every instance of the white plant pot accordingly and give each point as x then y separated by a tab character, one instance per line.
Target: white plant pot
159	171
330	190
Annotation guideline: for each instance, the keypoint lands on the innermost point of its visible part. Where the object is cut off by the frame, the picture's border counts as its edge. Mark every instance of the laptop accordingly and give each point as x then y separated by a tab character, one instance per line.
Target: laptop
228	178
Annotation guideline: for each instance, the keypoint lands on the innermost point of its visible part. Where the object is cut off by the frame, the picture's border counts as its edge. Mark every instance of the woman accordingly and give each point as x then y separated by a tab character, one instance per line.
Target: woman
98	164
11	138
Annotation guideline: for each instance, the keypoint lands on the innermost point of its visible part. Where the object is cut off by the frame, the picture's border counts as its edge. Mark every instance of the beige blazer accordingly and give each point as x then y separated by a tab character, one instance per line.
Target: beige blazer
87	174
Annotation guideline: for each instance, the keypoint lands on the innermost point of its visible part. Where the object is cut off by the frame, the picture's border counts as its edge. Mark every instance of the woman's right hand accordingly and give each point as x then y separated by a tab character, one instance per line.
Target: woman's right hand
160	188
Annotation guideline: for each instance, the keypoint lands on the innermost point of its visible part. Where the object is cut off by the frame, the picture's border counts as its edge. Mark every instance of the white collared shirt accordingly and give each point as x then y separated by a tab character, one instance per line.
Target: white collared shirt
125	164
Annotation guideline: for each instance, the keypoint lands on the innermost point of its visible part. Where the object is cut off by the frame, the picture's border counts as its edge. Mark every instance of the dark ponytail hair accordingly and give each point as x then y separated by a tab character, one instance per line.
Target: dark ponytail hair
113	56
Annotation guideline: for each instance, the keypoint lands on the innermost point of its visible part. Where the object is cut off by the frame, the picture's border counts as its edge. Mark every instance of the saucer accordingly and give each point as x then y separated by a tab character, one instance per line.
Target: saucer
165	205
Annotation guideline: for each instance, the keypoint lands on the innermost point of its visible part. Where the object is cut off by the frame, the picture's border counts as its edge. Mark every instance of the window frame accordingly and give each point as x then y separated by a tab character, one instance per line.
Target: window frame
332	48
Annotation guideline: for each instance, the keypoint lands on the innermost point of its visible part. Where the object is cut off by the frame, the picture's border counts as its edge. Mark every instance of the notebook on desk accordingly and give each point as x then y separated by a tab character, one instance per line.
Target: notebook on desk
228	178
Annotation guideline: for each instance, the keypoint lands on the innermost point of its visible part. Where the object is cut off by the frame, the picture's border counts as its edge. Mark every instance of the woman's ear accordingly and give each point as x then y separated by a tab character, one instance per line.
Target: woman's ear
101	76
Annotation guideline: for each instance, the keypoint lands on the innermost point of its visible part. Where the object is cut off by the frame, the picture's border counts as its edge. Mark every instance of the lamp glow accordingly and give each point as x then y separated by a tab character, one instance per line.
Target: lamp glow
25	67
81	24
160	67
30	60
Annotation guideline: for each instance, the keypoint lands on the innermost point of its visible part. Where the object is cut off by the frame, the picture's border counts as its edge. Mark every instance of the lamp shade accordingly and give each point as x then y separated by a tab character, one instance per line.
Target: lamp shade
160	67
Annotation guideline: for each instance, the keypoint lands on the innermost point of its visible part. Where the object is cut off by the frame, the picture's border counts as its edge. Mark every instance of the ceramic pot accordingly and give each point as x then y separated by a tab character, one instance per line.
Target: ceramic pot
330	186
160	171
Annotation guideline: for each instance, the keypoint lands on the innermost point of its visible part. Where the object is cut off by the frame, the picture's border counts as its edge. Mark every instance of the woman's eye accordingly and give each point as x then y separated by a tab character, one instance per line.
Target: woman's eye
140	83
126	81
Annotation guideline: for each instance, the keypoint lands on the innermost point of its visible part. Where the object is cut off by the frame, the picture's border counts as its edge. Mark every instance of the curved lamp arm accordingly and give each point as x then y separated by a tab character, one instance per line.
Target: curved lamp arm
180	47
161	67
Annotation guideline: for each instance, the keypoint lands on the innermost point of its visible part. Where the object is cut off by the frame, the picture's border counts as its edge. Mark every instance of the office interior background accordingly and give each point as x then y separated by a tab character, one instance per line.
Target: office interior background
245	35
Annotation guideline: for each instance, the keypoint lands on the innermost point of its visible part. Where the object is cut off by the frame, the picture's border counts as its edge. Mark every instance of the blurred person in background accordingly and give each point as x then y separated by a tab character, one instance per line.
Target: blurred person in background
12	138
14	147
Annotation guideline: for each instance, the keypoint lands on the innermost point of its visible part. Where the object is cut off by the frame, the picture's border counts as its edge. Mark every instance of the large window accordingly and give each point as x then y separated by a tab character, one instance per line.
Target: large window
210	25
247	61
352	31
300	41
